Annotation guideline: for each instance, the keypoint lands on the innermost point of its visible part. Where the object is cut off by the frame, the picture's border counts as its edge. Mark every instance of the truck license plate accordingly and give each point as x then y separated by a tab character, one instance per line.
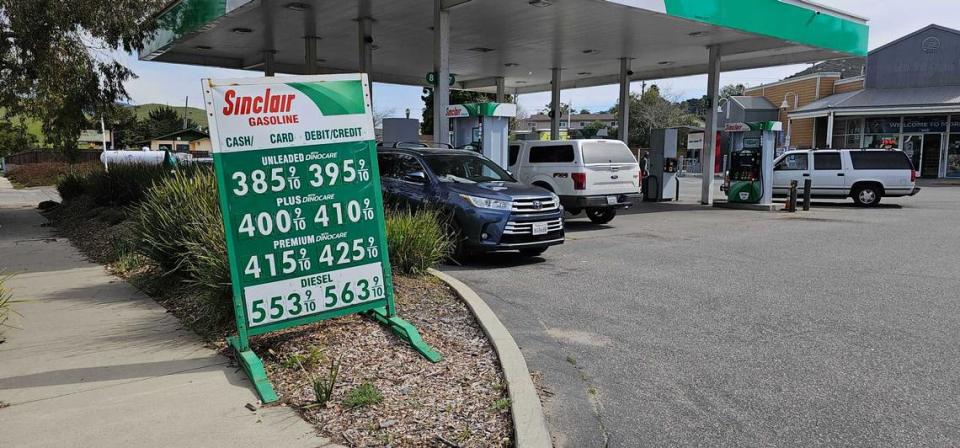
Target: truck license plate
539	228
611	200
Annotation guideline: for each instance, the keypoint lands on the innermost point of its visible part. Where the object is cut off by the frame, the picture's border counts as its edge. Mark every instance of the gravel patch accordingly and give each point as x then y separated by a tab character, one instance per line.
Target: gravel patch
459	401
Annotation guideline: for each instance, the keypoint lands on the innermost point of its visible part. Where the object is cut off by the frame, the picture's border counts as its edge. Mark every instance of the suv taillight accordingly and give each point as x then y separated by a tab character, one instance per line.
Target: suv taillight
579	181
913	175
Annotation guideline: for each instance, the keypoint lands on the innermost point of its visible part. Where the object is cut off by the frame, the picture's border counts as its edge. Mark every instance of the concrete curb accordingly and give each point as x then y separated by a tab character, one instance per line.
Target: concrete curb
529	423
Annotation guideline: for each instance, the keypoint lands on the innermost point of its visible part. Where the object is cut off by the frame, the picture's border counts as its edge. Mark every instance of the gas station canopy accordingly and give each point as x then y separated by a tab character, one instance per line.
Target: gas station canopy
520	41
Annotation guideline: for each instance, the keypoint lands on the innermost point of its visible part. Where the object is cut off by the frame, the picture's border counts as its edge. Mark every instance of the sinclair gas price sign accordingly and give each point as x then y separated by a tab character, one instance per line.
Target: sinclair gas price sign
300	193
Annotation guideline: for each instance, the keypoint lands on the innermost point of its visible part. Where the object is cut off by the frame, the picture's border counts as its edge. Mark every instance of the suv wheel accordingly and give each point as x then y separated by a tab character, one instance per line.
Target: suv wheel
533	252
867	195
601	215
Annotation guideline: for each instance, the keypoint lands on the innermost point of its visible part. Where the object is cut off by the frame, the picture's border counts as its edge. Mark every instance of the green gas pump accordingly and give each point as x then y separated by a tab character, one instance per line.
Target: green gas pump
749	177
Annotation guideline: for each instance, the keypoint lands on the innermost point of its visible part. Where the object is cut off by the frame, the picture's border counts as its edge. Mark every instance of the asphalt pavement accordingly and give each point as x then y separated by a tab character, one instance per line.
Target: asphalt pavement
683	325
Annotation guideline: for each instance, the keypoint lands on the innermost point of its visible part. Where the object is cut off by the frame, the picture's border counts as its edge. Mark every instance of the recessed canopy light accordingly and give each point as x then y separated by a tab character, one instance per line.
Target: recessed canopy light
203	47
242	30
297	6
590	51
539	3
480	49
665	63
521	82
584	73
698	34
510	64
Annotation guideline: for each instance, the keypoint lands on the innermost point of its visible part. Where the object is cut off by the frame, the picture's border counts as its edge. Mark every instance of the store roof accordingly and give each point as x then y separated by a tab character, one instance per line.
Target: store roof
514	39
915	99
187	135
753	103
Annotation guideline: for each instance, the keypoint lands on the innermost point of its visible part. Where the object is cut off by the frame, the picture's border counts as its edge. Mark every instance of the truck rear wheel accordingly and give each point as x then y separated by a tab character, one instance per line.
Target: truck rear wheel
867	195
601	215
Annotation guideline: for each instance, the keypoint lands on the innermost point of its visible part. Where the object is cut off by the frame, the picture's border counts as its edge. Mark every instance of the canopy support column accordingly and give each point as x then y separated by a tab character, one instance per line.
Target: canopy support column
310	54
269	68
500	89
441	66
555	111
830	130
623	125
710	136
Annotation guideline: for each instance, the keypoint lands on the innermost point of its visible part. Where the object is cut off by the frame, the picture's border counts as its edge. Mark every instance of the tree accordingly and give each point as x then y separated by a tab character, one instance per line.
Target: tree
54	64
564	109
14	137
651	111
165	120
456	97
584	111
732	90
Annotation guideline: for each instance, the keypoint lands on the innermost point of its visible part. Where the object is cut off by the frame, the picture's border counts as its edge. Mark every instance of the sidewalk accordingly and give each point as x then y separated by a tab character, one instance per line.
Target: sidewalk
94	362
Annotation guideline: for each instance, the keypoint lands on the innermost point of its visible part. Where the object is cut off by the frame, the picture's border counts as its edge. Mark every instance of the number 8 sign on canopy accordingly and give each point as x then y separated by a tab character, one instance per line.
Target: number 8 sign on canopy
295	159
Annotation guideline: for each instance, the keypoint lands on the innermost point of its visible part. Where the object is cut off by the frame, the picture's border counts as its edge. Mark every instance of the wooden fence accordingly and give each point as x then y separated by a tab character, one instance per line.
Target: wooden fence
36	156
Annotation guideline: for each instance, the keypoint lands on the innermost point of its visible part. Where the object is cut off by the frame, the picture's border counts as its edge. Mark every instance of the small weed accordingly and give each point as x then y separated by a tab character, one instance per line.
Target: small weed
571	360
497	386
363	395
5	296
500	405
592	391
463	435
324	385
308	361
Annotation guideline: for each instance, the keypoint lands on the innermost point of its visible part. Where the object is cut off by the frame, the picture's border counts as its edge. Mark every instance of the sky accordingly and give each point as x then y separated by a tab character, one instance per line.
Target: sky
889	20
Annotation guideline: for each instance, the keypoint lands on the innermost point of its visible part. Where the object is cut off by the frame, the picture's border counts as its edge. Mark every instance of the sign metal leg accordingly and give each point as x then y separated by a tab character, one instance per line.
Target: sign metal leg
254	368
407	332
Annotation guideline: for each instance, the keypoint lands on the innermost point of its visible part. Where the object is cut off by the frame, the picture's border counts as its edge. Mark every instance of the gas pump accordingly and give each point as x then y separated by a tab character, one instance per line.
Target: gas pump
484	127
749	178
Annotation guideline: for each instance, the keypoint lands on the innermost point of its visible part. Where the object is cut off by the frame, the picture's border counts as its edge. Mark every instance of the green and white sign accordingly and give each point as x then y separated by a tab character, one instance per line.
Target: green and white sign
296	166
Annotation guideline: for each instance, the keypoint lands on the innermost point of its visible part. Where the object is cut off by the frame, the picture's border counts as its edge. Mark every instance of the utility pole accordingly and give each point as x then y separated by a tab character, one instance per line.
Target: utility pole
186	103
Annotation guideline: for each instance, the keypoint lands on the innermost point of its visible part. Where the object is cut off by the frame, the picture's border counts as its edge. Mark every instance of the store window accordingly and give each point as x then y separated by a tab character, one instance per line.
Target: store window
846	133
953	156
881	132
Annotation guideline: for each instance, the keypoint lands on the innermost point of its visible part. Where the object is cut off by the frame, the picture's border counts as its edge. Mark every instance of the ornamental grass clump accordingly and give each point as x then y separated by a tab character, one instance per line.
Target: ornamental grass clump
178	225
417	240
123	184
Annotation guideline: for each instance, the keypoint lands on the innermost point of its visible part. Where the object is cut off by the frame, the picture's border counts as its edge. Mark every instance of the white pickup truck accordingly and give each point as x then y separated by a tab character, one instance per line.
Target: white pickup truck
864	175
595	176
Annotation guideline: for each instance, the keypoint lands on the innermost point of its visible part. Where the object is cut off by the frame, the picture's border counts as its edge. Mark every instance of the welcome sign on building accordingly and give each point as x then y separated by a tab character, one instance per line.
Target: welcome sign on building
299	189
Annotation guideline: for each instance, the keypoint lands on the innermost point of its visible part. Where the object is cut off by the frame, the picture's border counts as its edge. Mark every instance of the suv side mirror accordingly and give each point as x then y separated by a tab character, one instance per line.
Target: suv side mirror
417	177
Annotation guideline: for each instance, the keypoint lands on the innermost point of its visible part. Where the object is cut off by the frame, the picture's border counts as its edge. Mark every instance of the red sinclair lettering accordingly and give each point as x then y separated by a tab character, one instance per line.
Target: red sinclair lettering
264	104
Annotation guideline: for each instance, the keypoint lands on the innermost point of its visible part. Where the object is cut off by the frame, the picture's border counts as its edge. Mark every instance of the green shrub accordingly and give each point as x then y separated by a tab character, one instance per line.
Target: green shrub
178	225
71	185
323	385
123	184
363	395
417	240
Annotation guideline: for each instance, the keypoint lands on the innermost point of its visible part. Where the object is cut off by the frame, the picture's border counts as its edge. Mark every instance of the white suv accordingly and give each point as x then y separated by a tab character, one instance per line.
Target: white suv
596	176
862	174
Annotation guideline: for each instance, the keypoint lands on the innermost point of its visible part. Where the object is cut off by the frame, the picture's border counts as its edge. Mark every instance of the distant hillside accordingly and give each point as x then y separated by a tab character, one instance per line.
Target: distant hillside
199	116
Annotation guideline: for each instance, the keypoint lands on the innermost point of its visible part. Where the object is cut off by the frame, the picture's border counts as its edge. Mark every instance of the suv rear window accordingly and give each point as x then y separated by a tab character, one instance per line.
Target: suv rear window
826	161
512	154
597	152
880	160
551	154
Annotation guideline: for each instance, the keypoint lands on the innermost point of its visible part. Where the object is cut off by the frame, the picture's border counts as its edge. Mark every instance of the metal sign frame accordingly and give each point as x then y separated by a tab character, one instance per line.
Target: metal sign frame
286	149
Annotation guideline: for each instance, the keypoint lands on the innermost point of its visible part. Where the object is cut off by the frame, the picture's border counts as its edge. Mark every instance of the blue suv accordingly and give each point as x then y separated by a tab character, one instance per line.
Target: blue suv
491	211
